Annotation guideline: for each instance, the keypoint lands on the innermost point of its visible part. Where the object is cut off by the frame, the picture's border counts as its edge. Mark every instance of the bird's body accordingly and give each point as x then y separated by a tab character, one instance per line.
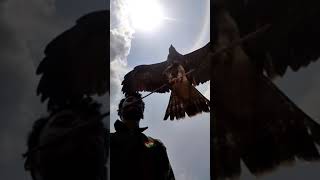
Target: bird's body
184	98
181	87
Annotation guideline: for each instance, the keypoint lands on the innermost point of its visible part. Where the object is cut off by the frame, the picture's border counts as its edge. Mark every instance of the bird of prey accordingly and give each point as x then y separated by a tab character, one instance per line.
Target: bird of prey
184	98
252	120
76	62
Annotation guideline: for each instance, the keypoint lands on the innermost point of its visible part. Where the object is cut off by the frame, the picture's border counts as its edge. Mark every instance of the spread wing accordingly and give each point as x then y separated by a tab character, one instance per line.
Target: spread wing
150	77
199	61
76	62
292	40
146	78
280	133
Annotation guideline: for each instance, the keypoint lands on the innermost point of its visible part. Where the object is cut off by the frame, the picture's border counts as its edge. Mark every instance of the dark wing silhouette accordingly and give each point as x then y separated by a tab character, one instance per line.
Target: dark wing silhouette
150	77
199	61
280	133
292	40
76	62
146	78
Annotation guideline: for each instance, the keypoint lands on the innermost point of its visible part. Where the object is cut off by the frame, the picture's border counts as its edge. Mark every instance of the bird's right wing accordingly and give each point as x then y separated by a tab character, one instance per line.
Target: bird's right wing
146	78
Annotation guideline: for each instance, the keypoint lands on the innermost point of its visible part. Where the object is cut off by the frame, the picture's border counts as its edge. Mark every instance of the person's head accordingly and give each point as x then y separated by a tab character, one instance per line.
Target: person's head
131	107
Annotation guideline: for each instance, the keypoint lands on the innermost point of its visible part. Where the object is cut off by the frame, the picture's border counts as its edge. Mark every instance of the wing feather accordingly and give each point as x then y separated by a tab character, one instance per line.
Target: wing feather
292	41
76	62
199	61
150	77
145	78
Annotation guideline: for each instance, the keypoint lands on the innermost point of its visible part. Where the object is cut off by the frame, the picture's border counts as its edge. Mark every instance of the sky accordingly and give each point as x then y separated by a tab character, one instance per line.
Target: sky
25	28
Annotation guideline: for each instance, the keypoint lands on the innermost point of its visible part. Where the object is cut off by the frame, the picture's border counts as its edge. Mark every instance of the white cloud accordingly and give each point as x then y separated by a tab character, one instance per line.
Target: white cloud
118	70
121	35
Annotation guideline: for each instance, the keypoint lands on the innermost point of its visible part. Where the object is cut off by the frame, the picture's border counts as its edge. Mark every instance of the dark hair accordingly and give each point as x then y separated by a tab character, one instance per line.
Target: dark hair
134	94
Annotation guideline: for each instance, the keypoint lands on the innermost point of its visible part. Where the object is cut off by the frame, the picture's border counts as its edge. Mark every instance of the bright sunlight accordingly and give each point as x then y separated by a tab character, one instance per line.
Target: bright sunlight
145	15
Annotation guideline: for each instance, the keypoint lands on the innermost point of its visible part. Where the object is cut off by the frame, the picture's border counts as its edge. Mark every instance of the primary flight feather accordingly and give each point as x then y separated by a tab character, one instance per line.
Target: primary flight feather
76	62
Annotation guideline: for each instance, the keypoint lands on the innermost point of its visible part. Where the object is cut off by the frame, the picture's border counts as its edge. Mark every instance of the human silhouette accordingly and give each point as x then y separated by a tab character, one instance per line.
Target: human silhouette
133	155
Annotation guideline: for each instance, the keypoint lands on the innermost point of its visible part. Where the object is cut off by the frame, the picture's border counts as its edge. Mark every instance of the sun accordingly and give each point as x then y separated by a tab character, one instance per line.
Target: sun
145	15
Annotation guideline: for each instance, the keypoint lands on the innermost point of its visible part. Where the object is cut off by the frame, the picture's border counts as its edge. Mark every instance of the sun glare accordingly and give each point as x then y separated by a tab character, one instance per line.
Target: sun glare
145	15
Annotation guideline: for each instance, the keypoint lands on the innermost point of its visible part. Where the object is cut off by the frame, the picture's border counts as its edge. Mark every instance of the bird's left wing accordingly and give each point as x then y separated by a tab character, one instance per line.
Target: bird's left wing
200	62
146	78
196	63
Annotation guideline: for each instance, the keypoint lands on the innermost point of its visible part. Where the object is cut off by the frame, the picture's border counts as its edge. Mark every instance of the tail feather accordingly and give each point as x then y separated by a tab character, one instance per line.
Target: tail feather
178	107
174	108
180	111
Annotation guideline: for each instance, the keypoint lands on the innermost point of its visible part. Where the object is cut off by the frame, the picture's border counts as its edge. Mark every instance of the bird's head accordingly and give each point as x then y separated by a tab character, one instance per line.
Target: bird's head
174	67
173	55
